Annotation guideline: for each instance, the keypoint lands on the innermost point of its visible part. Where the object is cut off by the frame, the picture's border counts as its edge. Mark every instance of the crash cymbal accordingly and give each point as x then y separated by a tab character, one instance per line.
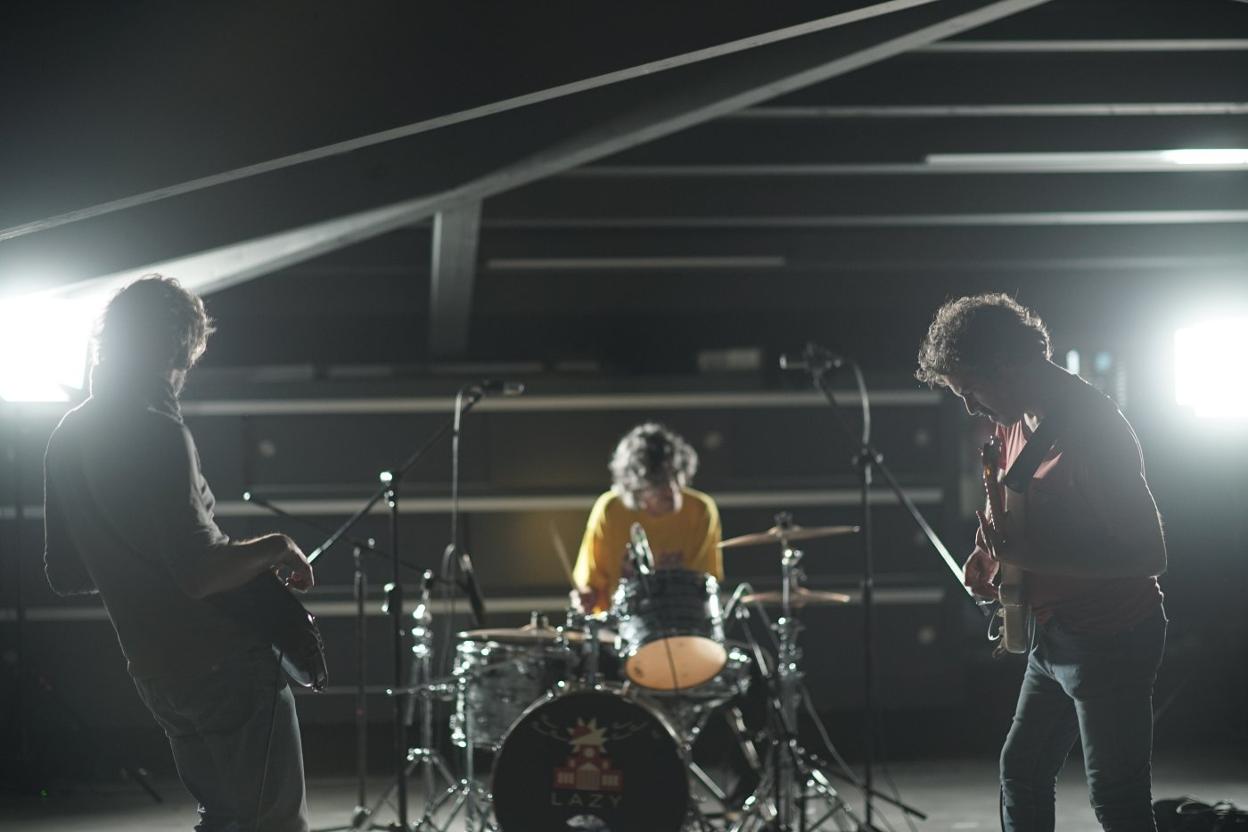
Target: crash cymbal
790	533
800	597
529	634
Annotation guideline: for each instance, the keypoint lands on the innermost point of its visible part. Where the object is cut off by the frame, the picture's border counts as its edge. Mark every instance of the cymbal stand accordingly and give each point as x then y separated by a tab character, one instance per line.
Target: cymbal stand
820	770
791	775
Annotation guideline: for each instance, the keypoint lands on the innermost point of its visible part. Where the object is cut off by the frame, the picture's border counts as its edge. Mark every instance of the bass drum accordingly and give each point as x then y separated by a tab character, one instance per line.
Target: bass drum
590	760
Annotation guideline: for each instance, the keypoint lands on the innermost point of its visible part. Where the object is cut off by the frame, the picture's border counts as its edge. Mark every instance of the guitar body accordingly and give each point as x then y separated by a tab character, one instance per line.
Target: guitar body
272	611
1013	609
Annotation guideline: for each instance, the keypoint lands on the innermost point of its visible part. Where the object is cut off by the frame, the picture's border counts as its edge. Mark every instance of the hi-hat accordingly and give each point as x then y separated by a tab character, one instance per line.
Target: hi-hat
778	534
799	597
529	634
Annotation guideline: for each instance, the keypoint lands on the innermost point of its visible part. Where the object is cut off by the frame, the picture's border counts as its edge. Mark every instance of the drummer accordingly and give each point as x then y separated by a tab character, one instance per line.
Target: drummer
651	472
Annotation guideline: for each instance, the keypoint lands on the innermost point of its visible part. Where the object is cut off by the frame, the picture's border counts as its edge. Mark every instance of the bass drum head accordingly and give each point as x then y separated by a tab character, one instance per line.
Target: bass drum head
590	760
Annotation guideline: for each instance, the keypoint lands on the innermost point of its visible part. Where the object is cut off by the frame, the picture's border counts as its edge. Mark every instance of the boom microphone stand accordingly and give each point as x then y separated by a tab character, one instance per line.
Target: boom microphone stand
391	480
820	362
360	814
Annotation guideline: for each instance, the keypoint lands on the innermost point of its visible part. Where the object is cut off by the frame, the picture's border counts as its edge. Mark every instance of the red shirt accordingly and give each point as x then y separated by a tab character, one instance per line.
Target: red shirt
1088	489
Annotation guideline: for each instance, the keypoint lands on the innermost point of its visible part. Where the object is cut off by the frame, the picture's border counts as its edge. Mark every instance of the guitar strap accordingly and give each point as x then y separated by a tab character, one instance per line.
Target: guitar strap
1030	457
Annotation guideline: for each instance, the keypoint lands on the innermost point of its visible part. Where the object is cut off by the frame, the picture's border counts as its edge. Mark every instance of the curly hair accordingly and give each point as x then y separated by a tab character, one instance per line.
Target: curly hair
648	455
153	323
978	335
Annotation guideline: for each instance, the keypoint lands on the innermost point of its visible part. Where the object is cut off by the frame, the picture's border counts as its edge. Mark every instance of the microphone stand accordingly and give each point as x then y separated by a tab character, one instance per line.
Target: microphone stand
390	480
360	814
452	558
867	459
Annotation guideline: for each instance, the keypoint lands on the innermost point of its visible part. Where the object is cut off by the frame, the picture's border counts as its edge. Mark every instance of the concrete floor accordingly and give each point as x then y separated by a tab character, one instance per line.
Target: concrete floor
955	794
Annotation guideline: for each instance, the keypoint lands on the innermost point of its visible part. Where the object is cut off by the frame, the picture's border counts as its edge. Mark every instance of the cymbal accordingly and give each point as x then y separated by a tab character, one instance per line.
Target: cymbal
789	533
529	634
798	598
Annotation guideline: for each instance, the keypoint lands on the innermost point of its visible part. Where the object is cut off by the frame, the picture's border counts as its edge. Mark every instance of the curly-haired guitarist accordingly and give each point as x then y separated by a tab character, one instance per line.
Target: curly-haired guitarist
1088	538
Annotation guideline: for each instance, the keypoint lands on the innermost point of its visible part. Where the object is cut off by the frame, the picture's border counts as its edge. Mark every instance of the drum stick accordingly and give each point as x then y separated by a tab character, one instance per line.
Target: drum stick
562	552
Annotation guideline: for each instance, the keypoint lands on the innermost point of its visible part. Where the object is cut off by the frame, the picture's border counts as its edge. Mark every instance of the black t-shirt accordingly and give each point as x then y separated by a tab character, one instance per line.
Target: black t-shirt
128	513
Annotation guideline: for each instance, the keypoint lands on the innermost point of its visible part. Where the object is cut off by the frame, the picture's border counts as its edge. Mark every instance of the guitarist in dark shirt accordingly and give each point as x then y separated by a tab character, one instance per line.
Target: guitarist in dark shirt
129	515
1089	542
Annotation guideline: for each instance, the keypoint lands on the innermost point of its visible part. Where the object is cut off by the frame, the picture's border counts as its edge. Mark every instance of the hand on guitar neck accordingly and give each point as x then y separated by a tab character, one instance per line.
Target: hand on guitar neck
993	570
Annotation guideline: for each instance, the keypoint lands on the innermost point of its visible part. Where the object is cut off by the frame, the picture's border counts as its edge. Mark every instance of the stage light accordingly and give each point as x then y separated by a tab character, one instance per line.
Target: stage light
44	347
1211	368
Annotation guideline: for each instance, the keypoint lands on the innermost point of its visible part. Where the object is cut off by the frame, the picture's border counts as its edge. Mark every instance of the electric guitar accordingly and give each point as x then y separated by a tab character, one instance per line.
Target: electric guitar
1013	610
271	610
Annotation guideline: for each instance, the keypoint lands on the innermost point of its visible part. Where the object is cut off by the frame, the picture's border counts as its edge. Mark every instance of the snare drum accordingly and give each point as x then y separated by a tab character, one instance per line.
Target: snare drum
497	681
591	760
671	633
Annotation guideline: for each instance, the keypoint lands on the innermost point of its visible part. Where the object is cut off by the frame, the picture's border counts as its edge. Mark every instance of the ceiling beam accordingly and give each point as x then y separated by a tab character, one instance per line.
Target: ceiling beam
456	235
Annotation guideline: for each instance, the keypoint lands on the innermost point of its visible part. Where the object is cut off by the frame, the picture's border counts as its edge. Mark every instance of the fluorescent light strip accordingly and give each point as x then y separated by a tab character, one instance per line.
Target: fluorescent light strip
1004	218
1222	158
500	264
1090	45
1196	108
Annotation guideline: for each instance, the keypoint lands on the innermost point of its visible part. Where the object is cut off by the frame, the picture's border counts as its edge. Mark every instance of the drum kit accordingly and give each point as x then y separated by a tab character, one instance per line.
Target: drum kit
591	724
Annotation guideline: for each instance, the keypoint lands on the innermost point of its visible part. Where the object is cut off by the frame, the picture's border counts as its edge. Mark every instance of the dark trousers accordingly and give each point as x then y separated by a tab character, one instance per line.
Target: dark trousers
235	740
1097	689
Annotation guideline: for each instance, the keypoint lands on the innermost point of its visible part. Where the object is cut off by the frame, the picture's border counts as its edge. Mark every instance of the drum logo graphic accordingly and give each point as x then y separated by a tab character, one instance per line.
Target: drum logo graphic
588	767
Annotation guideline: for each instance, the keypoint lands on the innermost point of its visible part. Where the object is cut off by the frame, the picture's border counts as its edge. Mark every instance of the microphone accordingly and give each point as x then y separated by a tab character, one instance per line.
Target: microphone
812	357
499	387
472	590
639	547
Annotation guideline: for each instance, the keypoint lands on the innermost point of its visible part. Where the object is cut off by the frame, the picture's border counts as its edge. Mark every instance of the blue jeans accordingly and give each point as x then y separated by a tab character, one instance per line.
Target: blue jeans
1096	688
235	739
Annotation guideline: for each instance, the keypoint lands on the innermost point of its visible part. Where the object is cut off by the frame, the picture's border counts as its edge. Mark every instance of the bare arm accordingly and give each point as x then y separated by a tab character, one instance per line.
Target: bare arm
230	565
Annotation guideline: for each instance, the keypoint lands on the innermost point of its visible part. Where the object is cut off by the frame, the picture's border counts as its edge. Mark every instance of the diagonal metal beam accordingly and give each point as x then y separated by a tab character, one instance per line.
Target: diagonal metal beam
456	233
713	99
471	114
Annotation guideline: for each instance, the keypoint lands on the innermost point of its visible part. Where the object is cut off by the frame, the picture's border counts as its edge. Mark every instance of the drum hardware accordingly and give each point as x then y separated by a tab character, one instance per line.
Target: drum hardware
419	697
789	774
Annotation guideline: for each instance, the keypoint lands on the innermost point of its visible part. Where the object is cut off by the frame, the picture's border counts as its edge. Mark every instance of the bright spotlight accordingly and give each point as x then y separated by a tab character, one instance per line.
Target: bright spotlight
44	344
1211	368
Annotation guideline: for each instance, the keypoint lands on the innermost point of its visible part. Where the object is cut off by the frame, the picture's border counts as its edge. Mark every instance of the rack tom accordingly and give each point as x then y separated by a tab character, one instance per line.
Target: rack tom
670	627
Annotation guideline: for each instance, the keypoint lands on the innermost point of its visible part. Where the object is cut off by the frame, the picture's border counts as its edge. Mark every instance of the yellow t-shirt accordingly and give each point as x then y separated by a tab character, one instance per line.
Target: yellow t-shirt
686	539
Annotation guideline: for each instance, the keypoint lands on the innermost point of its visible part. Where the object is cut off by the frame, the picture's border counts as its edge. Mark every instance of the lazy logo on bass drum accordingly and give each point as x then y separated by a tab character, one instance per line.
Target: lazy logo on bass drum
588	777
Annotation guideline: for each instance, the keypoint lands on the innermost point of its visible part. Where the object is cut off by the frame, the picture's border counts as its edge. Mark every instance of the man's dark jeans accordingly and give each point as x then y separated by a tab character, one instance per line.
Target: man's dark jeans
1097	688
221	726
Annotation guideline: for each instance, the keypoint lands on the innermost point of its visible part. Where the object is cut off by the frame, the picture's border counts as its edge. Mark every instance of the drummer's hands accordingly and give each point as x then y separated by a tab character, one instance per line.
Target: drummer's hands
584	599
